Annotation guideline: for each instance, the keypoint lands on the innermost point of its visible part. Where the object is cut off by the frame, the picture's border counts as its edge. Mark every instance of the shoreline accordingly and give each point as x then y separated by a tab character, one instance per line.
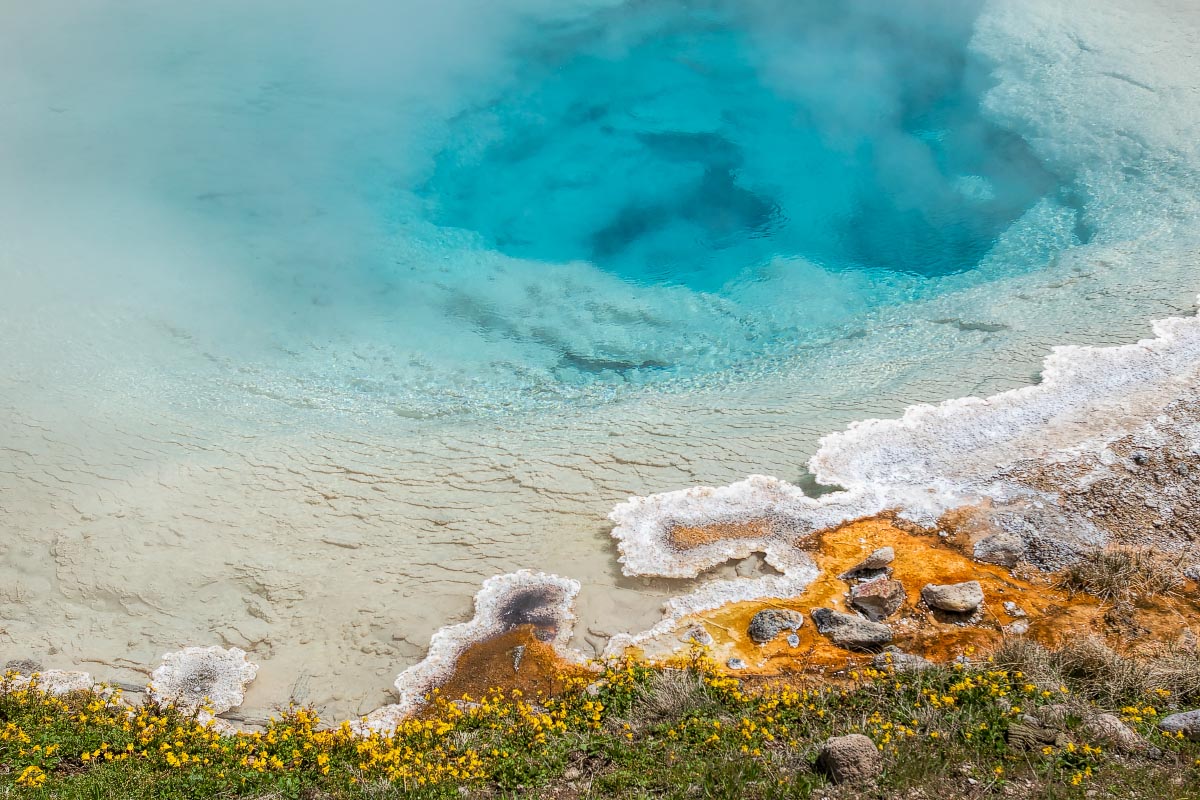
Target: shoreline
1119	424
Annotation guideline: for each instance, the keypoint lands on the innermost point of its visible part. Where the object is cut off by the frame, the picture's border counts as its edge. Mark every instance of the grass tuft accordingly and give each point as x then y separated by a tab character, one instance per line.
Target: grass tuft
1123	574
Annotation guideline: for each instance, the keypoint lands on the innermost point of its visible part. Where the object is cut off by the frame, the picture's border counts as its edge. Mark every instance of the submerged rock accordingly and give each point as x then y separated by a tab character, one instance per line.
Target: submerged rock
959	598
850	631
878	599
850	759
769	623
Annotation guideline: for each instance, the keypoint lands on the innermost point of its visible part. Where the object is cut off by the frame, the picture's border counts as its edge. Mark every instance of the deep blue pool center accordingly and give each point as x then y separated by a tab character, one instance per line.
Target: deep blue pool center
691	142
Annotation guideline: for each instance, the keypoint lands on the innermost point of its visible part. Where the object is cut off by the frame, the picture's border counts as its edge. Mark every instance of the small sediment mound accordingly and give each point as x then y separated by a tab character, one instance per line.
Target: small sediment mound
210	680
517	639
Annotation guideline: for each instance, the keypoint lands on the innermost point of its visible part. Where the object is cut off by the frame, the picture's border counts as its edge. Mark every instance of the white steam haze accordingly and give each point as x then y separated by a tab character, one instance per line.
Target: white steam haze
214	275
186	162
240	176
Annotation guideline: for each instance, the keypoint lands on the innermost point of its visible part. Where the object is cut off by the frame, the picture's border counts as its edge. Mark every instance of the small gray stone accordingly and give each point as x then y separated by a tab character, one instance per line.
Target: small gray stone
1192	572
959	598
572	774
793	640
878	599
1005	549
1187	723
850	759
770	622
698	635
850	631
735	663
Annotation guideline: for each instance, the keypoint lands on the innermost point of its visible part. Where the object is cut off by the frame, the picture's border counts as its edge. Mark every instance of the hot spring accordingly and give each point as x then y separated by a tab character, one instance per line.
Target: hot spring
315	317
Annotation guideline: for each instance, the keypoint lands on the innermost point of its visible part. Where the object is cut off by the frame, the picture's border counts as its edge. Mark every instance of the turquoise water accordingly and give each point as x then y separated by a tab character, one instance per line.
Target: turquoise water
677	158
472	206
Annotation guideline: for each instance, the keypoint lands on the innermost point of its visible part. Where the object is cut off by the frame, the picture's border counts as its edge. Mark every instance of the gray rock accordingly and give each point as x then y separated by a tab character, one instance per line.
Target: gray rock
1187	723
793	640
850	759
878	599
735	663
959	598
1192	572
572	774
850	631
698	635
1108	729
1005	549
769	623
1018	628
900	661
871	566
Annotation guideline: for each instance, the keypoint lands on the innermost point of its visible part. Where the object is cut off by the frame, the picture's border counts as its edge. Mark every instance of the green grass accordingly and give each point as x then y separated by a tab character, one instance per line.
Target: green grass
643	732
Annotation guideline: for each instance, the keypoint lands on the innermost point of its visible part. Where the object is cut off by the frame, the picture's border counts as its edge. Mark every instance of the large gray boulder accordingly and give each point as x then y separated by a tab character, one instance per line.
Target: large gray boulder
852	759
878	599
958	598
1187	723
769	623
849	630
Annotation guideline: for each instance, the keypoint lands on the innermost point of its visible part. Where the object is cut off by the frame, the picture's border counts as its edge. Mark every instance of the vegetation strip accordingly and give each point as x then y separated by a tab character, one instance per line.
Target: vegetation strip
1020	722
